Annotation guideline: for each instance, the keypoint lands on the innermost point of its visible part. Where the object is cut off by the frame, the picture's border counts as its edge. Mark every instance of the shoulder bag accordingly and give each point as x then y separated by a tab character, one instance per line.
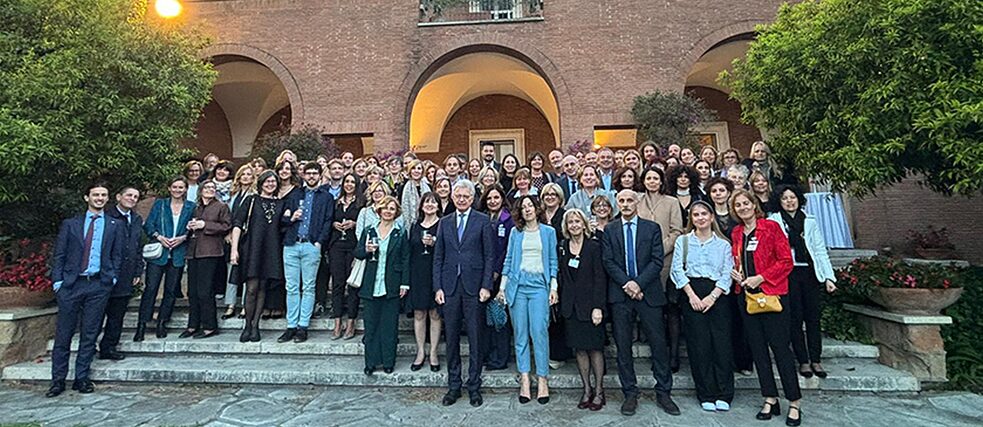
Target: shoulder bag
760	302
154	250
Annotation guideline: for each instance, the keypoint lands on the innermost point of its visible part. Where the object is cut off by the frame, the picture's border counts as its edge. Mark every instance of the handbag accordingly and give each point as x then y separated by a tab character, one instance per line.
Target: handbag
155	250
358	270
762	303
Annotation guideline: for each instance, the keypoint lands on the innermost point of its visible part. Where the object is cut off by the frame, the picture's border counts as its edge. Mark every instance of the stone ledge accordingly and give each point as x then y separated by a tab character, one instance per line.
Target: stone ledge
25	313
904	319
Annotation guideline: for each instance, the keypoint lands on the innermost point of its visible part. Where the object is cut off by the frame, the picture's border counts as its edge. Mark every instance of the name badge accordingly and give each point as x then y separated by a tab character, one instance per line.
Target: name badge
501	230
574	263
752	245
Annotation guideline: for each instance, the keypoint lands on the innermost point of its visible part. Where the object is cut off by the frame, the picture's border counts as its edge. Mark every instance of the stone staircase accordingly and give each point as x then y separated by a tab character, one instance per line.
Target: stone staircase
322	361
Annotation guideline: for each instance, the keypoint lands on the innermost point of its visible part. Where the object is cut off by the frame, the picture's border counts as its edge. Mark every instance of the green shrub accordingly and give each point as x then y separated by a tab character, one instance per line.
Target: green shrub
964	358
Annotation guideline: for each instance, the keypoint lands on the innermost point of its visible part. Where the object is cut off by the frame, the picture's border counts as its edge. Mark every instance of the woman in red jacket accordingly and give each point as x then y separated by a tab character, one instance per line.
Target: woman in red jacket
762	263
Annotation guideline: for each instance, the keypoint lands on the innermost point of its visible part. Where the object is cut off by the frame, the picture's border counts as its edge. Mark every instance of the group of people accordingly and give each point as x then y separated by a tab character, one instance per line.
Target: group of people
659	244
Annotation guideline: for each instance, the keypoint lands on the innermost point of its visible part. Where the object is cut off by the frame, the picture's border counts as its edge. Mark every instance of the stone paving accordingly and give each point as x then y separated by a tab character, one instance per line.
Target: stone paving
179	405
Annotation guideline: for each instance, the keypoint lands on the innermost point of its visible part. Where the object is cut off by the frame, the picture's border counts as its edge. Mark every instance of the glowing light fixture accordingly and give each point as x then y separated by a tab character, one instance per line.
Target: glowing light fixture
168	8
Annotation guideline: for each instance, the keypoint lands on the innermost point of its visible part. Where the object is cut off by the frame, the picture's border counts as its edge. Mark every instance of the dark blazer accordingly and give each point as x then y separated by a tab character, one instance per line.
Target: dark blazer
589	291
160	221
564	182
67	262
397	263
321	216
503	229
474	255
210	241
648	256
133	262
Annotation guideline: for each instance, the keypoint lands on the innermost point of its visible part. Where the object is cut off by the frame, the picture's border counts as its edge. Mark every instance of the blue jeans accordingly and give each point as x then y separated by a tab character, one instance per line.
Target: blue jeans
300	262
531	318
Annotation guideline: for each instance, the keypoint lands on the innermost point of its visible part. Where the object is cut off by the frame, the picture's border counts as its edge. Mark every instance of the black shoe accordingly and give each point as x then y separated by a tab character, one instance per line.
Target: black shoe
819	372
83	386
774	410
496	368
57	387
318	311
187	333
246	333
202	334
161	329
229	314
674	365
368	370
476	399
543	400
805	370
111	355
141	329
524	399
665	402
630	406
435	368
451	397
416	367
388	370
287	335
794	422
254	334
301	335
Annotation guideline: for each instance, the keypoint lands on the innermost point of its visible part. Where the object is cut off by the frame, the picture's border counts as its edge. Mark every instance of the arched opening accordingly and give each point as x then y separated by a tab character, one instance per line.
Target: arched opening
248	100
478	96
702	82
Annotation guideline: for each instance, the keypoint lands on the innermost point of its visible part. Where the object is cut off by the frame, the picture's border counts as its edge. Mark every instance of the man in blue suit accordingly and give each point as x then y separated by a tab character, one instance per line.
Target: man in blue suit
86	265
632	257
129	274
568	179
464	258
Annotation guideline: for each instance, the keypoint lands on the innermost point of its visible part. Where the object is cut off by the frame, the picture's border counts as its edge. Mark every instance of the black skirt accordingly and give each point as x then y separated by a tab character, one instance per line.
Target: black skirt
583	335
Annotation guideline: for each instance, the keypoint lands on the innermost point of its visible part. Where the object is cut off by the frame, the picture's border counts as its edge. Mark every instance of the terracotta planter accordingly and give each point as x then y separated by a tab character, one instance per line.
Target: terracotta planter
936	253
921	302
11	297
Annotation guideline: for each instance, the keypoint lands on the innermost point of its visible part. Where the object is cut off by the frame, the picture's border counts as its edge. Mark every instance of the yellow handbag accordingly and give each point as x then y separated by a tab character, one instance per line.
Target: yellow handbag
761	303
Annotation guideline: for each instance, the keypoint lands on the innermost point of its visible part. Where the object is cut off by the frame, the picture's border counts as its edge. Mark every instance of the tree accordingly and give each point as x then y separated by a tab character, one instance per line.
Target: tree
667	118
865	93
306	141
92	90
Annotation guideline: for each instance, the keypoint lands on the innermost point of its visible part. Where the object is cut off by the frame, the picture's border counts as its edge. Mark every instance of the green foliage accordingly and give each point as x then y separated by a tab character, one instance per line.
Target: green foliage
91	90
307	143
841	324
864	93
666	118
964	358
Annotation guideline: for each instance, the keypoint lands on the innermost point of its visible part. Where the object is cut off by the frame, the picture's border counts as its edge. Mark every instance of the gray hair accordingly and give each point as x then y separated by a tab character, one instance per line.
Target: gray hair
464	183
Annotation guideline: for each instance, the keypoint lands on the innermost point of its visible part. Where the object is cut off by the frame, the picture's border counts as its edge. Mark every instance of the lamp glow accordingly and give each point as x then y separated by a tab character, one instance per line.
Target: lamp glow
168	8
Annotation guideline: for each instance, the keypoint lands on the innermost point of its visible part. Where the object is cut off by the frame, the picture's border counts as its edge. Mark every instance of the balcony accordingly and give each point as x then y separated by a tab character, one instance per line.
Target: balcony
465	12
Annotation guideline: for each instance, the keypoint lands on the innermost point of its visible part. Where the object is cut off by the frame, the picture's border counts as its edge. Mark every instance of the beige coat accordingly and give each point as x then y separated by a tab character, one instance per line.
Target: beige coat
666	212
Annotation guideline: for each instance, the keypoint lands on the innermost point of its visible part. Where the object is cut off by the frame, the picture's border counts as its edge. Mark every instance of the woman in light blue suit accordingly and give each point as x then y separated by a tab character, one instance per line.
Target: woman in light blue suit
166	224
529	287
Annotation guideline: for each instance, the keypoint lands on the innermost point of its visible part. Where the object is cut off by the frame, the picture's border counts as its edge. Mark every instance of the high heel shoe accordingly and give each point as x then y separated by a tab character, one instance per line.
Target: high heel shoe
230	313
596	405
820	372
161	329
543	399
793	422
246	333
523	399
416	366
254	334
141	329
774	410
805	370
242	314
585	401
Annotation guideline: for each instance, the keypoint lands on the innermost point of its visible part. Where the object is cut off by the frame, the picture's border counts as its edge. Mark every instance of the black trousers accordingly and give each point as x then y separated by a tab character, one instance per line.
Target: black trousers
496	346
740	349
113	328
771	331
323	278
344	298
559	350
624	315
462	311
381	318
201	292
81	306
708	346
171	276
805	296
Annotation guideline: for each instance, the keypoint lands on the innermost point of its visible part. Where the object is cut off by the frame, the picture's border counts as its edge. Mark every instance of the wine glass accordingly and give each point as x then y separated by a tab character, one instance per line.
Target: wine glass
426	248
344	232
374	241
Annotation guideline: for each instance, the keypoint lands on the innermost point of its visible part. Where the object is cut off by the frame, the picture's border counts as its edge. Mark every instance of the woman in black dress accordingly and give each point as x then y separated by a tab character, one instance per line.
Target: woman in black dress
257	248
276	293
583	295
344	299
422	237
497	339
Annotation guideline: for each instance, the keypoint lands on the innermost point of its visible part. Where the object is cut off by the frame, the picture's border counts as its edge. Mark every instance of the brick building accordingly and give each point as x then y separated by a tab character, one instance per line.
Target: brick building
530	75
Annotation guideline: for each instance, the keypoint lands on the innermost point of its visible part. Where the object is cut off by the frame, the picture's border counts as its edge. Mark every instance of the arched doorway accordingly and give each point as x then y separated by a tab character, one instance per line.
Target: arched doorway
483	95
702	82
248	100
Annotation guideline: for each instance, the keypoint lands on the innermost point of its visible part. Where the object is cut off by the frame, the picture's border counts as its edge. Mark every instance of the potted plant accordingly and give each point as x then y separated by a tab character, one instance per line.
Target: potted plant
900	287
24	280
932	244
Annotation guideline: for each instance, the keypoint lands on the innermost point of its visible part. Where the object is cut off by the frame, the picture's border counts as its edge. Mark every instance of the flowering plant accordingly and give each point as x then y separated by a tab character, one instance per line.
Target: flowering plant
882	271
932	238
25	265
580	146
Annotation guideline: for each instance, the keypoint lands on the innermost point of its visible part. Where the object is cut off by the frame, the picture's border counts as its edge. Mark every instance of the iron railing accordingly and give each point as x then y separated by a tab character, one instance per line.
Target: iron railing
465	11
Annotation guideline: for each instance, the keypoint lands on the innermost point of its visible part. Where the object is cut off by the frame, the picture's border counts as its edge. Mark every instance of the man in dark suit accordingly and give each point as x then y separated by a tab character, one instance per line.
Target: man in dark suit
462	281
88	258
632	257
568	179
488	156
129	274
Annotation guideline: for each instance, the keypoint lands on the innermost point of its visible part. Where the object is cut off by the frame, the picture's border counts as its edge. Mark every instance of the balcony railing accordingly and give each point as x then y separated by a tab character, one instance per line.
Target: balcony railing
448	12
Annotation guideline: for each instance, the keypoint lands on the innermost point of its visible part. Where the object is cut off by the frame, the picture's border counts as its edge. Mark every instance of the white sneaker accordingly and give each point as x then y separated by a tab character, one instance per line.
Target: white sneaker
708	406
556	364
722	406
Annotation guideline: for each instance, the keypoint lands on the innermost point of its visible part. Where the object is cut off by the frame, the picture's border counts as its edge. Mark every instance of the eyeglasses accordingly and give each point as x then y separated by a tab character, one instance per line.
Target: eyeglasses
312	173
208	187
462	196
545	195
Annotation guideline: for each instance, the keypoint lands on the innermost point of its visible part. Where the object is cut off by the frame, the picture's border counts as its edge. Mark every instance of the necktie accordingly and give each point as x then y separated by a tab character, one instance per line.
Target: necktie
87	244
460	227
630	249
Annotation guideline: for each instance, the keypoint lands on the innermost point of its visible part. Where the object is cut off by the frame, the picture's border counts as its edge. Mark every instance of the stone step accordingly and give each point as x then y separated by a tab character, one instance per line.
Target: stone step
842	257
179	320
322	344
858	375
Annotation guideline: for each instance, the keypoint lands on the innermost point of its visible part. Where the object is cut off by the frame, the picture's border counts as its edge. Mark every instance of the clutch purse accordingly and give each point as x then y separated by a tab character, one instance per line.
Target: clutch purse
153	250
358	271
761	303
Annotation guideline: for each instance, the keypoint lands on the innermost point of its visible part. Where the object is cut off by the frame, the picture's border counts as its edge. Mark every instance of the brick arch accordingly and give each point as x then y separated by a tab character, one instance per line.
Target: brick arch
709	41
438	55
269	61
